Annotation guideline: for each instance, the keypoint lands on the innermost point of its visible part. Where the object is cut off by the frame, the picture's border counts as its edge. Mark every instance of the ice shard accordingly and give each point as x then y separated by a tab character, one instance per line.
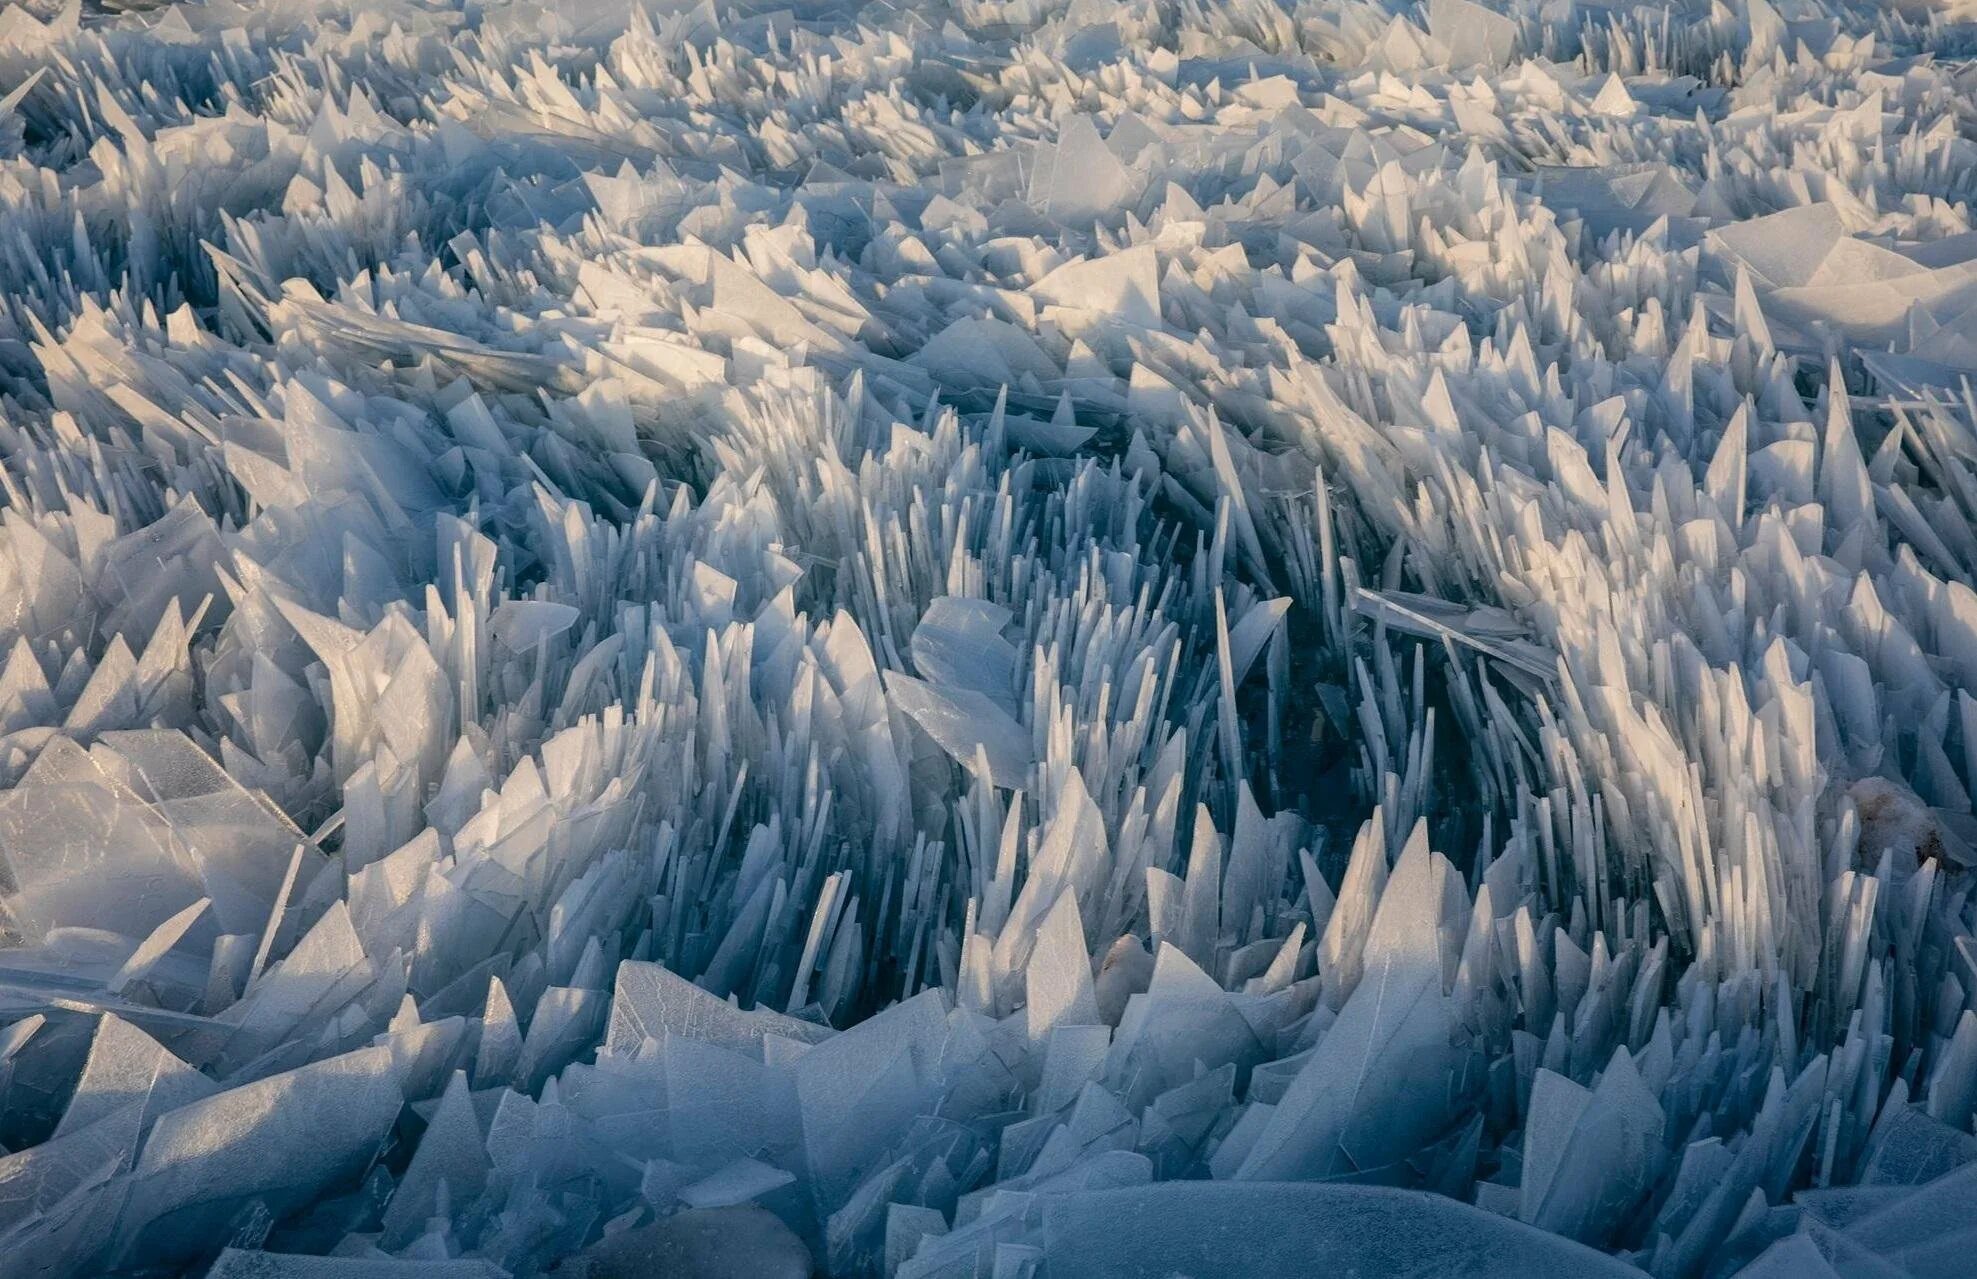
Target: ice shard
993	639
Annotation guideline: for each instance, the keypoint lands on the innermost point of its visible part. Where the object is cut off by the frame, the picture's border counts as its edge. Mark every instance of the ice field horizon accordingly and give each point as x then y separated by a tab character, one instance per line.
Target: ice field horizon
994	639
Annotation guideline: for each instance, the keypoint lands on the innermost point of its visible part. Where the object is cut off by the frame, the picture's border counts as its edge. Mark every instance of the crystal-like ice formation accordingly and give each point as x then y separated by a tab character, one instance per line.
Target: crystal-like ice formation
1027	637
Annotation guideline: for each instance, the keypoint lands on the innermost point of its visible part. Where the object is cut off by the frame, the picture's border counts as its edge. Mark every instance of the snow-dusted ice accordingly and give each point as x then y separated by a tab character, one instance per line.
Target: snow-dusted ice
1228	638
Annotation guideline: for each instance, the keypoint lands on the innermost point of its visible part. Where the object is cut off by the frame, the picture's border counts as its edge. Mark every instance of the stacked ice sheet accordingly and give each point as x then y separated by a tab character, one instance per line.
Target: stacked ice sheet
1063	640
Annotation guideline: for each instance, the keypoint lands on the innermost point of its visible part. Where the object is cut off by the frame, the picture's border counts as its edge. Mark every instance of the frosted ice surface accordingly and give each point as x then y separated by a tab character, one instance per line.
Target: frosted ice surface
1476	37
281	1140
238	1264
717	1243
958	644
1909	1148
997	639
450	1166
1057	980
967	724
1078	178
735	1183
650	1002
125	1067
1122	288
1211	1230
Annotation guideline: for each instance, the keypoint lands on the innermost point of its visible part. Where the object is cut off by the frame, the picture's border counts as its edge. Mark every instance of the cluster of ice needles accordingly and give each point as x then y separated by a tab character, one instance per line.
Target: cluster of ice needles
998	640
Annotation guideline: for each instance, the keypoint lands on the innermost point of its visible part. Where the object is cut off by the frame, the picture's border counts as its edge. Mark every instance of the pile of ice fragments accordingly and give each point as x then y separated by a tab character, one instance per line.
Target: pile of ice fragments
1166	637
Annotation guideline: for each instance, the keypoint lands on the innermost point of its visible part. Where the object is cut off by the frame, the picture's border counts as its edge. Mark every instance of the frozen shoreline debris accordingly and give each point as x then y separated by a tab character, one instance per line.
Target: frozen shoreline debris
1035	638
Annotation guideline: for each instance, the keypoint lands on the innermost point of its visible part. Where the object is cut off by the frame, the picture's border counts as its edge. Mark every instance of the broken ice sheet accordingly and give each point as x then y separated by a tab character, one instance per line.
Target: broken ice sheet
1122	288
283	1140
127	1067
650	1001
241	1264
1078	177
958	644
798	610
80	850
1477	37
983	351
968	725
739	1182
1276	1230
1816	267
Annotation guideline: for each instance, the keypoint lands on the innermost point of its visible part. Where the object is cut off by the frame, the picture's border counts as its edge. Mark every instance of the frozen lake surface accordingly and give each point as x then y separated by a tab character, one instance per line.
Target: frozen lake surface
1227	638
